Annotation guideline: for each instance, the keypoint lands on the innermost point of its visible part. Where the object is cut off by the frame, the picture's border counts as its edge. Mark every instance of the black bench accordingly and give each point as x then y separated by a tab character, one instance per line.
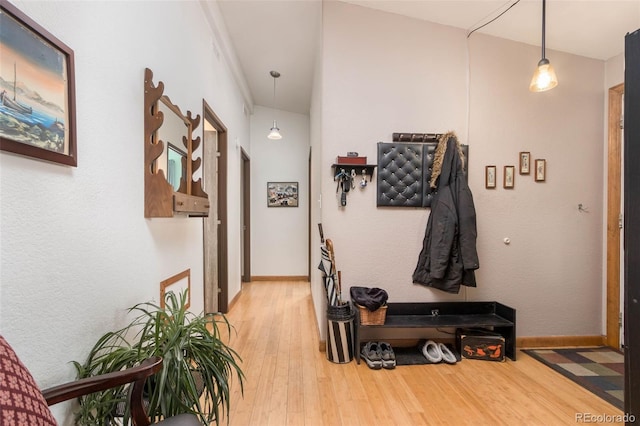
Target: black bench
413	318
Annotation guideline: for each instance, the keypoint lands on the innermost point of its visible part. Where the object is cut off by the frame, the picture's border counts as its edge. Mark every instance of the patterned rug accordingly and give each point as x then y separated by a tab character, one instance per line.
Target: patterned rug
600	370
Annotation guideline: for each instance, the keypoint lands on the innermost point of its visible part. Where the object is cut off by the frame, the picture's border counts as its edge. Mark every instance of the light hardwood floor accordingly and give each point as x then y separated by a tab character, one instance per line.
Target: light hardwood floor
290	382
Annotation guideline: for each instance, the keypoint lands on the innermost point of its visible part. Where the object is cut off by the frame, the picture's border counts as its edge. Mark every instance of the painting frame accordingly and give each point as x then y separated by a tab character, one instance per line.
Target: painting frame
53	112
282	194
509	177
181	281
524	163
541	170
490	177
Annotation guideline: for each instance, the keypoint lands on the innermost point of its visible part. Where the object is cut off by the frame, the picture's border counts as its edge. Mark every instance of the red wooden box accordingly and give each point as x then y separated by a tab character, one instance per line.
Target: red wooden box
351	160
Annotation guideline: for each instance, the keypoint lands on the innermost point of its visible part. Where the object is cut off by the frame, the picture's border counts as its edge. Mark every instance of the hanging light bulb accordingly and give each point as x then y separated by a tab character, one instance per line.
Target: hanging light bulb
544	77
274	134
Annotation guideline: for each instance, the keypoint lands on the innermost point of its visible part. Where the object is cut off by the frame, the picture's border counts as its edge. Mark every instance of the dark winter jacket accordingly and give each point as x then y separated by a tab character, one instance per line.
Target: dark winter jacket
449	258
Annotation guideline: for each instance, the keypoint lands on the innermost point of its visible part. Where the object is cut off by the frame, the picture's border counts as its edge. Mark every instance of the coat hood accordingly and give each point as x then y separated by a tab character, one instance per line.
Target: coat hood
441	150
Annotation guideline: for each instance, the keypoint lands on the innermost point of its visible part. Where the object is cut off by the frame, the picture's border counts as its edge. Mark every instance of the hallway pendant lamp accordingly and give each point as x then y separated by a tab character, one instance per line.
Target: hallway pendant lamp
544	77
275	131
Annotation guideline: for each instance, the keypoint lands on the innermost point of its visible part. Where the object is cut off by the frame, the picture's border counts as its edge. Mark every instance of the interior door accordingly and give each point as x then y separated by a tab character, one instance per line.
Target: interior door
215	247
245	190
632	227
210	234
615	205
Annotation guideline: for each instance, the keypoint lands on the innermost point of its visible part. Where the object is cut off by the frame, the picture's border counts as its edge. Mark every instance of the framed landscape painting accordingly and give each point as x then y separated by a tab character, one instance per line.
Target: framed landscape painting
37	90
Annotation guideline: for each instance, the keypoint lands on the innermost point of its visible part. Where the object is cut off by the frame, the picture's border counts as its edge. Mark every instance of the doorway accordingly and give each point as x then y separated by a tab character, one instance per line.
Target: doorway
215	249
614	217
245	190
310	237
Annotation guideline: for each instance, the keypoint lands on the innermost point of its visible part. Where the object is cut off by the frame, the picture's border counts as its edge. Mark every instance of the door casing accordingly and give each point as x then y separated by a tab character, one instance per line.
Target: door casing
614	180
221	257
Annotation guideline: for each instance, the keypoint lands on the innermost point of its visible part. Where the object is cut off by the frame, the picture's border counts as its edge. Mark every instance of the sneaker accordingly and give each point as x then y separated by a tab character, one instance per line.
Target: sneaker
372	355
447	355
431	351
388	356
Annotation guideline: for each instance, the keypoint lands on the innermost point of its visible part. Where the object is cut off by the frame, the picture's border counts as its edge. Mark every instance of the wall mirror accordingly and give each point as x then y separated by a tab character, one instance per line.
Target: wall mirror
170	163
174	132
176	166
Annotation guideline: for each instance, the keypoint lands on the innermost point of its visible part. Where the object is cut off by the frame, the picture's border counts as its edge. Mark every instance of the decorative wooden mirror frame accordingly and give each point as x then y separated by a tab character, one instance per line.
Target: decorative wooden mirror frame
160	200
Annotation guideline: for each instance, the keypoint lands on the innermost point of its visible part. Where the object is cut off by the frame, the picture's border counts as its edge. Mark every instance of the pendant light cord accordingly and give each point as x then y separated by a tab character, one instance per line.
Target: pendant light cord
484	25
274	92
544	18
275	75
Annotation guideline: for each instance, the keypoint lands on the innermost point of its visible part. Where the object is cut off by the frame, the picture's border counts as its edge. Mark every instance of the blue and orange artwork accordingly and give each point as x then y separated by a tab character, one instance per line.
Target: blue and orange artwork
33	88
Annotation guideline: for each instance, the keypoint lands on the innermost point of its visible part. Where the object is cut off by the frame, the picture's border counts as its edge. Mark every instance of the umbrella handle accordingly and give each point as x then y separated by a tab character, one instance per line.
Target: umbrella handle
332	255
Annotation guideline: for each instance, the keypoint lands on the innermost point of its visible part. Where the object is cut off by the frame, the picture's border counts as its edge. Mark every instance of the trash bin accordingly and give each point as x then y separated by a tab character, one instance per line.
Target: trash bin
340	333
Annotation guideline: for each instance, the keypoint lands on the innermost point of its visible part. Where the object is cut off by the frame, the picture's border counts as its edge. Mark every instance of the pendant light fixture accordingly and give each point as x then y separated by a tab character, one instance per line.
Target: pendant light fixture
275	131
544	78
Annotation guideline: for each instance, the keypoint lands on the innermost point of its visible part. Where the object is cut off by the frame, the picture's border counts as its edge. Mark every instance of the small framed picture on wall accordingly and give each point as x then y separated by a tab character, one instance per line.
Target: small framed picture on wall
525	163
509	177
282	194
541	170
490	177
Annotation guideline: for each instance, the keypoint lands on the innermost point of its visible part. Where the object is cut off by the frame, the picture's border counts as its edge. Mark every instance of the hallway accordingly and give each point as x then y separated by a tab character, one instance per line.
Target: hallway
290	382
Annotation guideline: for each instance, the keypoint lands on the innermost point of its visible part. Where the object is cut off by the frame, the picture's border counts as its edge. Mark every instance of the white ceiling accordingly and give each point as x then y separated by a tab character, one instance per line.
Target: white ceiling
283	35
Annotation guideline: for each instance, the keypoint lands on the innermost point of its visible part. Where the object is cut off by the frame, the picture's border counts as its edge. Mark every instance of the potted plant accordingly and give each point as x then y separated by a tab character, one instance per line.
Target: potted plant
196	372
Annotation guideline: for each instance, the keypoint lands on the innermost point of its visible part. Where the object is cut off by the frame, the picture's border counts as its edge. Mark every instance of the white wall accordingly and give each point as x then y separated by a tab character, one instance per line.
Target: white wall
614	71
378	79
552	270
279	235
317	177
76	248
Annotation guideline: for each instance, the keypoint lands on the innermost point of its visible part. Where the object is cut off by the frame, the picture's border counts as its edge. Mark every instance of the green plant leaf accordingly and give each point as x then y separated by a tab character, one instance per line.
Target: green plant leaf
197	364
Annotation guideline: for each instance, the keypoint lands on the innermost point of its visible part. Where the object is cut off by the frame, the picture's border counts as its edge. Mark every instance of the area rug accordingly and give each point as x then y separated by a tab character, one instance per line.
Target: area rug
599	370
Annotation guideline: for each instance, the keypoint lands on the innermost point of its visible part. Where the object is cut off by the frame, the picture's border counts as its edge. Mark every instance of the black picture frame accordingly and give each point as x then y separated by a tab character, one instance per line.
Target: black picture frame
42	100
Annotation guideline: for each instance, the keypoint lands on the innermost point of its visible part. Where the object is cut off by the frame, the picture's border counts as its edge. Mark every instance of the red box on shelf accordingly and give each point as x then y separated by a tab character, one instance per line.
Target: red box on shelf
351	160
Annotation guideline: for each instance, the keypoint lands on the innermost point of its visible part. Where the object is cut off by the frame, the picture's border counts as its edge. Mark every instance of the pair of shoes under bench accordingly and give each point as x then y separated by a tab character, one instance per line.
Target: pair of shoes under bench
388	356
378	355
437	352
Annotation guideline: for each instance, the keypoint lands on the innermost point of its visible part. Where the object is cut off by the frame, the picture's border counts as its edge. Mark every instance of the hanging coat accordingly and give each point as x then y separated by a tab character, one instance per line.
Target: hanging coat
449	258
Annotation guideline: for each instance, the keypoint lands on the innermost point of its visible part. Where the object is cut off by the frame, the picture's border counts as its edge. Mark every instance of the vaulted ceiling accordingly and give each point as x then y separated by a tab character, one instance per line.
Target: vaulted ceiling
283	35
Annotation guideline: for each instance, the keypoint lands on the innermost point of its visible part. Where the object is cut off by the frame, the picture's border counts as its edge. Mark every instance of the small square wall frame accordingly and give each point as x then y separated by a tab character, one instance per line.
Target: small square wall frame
176	284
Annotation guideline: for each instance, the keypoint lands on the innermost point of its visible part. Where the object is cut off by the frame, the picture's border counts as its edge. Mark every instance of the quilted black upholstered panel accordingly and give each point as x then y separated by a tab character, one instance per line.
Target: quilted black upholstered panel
404	171
400	174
